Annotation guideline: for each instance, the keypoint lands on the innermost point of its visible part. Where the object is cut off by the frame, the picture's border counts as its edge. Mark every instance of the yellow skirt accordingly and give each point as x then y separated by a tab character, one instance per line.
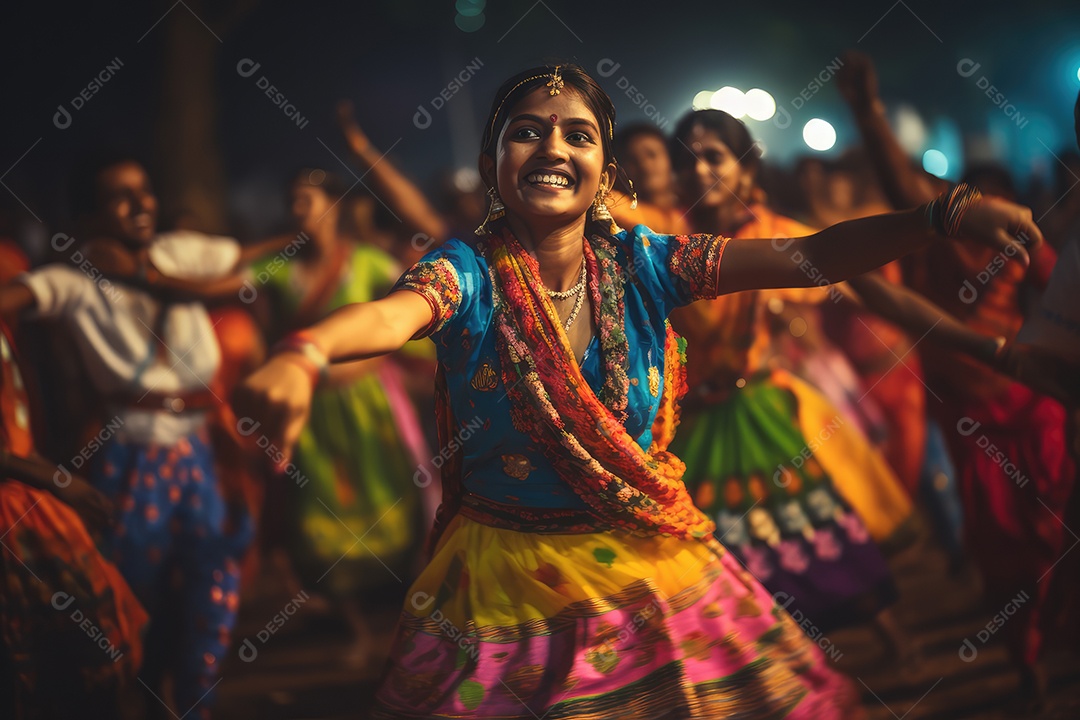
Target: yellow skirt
858	471
507	624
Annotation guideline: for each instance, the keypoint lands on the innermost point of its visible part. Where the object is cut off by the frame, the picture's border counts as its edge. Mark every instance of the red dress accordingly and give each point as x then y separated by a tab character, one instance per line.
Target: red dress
69	623
1008	443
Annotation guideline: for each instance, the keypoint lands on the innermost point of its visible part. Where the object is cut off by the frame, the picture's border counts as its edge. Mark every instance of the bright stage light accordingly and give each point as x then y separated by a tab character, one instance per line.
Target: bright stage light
759	104
702	100
729	99
819	134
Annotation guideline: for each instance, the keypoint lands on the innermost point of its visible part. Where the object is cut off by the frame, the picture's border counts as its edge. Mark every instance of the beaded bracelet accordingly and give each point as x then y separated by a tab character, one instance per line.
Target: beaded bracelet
944	214
306	352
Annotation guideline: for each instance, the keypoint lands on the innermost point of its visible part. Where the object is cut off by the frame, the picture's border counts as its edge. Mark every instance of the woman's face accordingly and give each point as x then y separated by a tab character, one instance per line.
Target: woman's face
310	206
713	176
647	163
549	160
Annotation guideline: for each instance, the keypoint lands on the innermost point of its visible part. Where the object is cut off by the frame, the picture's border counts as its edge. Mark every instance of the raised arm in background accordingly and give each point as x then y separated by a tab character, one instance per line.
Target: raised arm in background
389	185
903	185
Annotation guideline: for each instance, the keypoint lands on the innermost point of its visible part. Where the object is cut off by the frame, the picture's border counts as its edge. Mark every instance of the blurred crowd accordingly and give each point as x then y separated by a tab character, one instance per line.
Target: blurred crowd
136	508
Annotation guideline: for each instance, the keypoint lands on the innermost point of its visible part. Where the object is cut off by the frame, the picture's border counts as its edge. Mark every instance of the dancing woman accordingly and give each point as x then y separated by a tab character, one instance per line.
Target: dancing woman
355	460
798	493
572	575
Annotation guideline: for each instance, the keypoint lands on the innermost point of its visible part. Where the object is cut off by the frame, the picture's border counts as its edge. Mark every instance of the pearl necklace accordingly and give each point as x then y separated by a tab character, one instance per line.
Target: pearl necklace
579	291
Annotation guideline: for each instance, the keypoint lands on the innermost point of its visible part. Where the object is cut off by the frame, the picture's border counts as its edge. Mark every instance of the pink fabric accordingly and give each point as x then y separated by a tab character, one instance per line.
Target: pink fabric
650	654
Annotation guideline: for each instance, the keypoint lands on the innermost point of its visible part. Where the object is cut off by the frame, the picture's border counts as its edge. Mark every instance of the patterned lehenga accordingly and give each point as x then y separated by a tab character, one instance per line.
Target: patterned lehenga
571	575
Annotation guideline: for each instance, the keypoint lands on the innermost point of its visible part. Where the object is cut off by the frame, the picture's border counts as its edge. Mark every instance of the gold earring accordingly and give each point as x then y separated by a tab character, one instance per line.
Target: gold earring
495	211
600	212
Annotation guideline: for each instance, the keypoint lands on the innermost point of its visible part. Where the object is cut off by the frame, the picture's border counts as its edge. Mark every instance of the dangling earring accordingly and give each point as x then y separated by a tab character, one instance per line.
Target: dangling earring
495	211
600	213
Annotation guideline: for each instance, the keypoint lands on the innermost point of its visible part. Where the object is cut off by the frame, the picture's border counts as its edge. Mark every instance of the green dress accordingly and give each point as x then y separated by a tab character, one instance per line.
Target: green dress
353	510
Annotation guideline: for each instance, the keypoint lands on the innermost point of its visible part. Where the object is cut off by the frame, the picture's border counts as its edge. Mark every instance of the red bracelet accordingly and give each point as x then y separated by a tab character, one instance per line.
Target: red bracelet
302	362
306	350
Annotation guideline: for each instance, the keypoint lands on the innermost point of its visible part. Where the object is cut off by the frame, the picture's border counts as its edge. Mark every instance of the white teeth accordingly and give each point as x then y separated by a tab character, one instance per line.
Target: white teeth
557	180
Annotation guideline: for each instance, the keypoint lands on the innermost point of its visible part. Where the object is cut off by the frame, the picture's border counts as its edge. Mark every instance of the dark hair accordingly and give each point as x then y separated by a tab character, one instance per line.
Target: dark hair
330	183
84	196
732	132
624	137
574	78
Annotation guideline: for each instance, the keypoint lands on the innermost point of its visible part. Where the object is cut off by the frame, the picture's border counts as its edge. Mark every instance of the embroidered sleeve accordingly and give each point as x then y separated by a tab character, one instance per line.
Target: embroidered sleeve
437	281
694	264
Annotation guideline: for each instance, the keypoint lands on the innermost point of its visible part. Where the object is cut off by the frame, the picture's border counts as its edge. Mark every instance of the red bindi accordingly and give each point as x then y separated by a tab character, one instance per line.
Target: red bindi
554	118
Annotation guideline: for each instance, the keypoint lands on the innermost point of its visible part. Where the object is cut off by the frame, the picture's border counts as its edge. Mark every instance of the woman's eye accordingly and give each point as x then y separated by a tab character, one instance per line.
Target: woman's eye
578	136
526	133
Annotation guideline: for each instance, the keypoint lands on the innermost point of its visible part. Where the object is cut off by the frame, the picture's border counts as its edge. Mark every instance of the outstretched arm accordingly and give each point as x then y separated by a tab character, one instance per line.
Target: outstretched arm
278	395
120	264
920	317
399	193
1036	367
904	186
852	248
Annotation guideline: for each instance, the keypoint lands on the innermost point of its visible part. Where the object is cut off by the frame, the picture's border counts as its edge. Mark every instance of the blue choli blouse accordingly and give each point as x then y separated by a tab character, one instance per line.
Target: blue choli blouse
501	463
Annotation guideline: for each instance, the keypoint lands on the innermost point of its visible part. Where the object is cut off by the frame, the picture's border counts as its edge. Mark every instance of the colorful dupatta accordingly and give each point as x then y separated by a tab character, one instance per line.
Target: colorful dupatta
579	431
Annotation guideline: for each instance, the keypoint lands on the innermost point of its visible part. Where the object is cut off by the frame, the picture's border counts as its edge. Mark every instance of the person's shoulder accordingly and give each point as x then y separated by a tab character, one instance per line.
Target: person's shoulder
466	254
643	239
192	255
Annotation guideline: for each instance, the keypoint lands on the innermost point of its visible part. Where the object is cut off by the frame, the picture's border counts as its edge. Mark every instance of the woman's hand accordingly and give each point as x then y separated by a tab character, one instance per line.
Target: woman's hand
355	138
857	80
1003	226
90	503
274	402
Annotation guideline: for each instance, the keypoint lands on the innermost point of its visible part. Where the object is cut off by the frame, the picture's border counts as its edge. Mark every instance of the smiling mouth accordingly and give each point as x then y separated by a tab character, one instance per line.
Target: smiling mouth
544	179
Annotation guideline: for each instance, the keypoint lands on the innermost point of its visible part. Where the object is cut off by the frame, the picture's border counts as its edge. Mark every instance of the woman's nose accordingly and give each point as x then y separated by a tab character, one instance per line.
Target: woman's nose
554	146
703	169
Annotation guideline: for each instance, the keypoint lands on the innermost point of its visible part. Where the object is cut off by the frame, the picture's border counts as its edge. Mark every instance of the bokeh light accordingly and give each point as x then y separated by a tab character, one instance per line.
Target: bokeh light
759	104
470	17
729	99
935	162
702	100
819	134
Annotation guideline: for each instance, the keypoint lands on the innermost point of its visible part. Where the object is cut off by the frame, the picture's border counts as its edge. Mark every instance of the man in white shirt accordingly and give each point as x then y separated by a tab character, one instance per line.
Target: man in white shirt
151	363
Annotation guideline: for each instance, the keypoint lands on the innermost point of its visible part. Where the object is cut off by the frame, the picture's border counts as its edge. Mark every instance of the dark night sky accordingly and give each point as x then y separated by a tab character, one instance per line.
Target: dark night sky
390	57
